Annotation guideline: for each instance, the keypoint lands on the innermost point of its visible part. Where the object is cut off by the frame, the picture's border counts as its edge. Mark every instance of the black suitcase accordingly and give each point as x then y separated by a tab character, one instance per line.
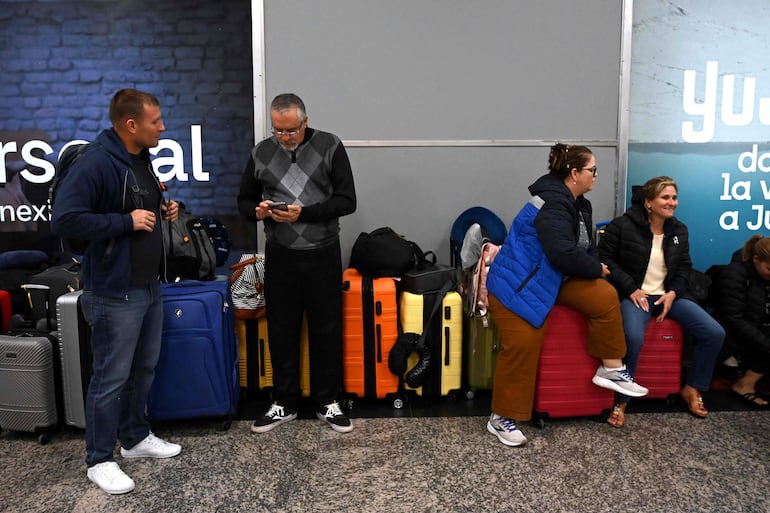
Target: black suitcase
60	279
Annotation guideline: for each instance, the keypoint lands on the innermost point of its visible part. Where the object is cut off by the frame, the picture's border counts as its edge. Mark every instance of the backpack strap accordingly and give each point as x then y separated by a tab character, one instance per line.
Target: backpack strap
422	258
448	285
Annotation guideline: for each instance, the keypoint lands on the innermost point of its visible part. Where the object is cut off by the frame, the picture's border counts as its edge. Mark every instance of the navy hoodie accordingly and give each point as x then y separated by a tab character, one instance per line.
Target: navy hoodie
94	202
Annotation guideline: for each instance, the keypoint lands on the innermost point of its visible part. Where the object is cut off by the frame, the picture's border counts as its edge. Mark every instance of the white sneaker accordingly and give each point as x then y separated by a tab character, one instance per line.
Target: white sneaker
152	447
506	430
110	478
619	380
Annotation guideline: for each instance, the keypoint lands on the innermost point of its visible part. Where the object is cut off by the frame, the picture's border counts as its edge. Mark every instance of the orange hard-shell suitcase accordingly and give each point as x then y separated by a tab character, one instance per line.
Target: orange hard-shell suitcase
660	363
369	331
565	370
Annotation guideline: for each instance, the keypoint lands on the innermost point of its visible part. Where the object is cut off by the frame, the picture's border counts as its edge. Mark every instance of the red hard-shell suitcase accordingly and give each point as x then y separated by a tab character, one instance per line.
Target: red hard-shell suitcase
660	362
565	370
5	310
369	331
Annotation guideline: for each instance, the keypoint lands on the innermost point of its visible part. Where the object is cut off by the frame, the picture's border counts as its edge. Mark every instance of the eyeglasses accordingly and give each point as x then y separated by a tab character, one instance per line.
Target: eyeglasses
284	131
591	169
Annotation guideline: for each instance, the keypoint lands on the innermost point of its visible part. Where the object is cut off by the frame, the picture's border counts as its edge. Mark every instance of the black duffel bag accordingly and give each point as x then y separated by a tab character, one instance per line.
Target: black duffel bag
383	252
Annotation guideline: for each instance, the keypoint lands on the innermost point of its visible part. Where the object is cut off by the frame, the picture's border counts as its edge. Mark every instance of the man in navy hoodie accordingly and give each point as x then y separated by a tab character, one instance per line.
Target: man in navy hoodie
112	200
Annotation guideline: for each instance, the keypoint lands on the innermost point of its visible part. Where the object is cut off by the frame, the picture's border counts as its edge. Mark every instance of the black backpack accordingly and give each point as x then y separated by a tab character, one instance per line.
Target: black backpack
190	253
66	160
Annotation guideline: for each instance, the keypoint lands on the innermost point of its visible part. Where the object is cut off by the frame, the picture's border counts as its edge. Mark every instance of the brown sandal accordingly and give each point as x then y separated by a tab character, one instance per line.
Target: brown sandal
617	417
694	403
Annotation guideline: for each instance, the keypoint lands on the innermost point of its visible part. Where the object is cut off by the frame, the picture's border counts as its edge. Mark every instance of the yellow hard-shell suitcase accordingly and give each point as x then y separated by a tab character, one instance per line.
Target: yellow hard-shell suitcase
445	377
256	371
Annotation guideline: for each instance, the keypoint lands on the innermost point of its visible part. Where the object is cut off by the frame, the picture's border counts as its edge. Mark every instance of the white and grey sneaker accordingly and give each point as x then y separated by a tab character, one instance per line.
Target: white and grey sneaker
275	416
152	447
110	478
619	380
332	414
506	430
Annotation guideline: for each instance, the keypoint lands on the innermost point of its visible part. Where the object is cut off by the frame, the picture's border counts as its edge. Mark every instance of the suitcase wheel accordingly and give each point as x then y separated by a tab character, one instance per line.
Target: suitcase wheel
399	401
347	404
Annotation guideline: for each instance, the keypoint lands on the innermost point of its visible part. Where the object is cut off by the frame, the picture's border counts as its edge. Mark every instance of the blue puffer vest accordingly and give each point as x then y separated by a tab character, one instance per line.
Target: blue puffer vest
521	277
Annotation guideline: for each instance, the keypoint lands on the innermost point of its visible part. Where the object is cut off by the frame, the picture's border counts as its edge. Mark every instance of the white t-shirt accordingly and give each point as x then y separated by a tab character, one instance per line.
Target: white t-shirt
656	269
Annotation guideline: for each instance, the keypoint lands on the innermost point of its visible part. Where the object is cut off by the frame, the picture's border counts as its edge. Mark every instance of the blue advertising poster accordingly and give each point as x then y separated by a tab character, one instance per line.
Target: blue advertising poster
700	113
64	60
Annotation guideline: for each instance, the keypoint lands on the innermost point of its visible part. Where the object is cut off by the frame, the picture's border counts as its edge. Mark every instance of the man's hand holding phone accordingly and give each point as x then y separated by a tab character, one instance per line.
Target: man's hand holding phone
278	211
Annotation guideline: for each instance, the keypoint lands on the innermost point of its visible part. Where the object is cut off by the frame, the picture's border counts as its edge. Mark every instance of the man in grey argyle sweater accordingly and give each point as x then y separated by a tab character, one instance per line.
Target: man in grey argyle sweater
299	182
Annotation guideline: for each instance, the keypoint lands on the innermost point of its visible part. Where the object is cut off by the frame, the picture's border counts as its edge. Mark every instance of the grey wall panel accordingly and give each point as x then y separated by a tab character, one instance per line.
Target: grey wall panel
420	191
447	70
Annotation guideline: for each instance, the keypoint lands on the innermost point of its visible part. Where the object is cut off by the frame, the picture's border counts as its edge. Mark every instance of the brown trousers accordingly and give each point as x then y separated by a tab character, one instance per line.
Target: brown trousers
513	391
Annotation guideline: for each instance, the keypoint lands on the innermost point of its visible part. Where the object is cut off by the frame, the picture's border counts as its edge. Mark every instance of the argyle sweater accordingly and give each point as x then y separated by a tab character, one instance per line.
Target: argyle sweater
315	176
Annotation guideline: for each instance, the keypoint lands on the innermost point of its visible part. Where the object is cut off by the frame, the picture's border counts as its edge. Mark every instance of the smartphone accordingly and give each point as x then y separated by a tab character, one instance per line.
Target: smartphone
279	205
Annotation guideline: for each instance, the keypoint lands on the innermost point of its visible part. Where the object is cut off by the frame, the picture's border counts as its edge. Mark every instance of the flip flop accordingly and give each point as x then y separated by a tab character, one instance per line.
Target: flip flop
694	404
751	398
617	417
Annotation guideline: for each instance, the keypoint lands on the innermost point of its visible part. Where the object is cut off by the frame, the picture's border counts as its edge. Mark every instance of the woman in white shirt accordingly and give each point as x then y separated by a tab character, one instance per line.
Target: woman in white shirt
648	253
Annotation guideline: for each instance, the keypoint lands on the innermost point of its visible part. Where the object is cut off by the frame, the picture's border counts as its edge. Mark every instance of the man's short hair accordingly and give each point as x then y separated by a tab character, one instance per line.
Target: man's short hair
129	103
287	101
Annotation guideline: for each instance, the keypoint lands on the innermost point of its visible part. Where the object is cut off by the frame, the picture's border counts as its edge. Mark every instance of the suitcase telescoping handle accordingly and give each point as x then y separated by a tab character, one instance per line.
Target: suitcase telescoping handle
188	283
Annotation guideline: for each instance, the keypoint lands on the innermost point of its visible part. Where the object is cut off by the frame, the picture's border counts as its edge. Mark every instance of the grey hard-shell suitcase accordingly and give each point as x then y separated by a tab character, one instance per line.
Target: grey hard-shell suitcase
28	383
76	357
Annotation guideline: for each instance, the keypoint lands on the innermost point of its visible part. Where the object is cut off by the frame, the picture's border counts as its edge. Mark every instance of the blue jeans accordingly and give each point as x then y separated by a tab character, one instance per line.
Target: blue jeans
708	334
125	335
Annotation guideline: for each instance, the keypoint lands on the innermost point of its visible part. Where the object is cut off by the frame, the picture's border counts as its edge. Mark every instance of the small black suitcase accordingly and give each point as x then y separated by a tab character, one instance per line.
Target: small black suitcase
59	279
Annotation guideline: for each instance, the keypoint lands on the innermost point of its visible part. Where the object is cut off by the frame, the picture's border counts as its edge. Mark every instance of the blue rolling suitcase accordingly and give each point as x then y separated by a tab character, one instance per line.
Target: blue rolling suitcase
197	372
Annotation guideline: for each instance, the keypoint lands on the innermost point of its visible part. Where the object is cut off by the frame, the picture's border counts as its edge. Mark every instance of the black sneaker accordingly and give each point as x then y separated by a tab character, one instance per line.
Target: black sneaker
275	416
332	414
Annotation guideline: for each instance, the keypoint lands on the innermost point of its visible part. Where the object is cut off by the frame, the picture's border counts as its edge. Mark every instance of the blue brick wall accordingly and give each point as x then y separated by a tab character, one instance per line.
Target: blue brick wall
63	60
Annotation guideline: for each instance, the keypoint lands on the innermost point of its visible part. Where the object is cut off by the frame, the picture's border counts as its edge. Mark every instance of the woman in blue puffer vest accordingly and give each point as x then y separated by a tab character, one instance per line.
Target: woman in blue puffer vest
550	257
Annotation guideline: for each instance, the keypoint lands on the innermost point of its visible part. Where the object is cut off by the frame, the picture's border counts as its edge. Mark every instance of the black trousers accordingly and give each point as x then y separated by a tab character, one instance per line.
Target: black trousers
299	282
